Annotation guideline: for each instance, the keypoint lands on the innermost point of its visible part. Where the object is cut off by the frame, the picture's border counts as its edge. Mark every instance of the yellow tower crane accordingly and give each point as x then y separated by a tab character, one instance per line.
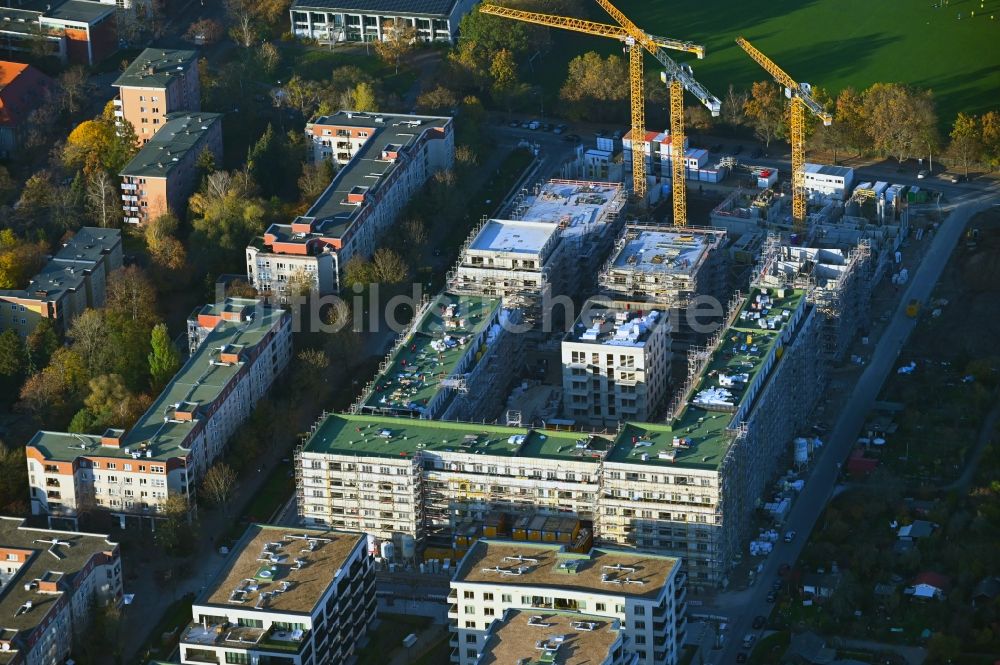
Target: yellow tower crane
800	98
679	76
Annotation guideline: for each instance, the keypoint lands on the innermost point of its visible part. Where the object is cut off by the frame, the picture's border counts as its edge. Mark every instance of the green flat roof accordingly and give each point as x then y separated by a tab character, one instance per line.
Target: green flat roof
199	382
389	436
746	349
156	67
170	145
430	353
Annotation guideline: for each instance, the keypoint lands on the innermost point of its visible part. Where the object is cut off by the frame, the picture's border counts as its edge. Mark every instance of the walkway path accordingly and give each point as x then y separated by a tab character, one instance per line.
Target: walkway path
986	433
819	488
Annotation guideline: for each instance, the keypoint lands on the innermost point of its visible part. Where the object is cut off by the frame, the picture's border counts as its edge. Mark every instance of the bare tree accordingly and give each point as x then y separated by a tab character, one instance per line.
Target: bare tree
244	28
733	105
398	39
218	484
102	199
73	83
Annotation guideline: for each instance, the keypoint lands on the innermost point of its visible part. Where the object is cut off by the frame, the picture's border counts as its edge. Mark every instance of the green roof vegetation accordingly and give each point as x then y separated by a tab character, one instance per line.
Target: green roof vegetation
393	437
740	367
431	352
198	383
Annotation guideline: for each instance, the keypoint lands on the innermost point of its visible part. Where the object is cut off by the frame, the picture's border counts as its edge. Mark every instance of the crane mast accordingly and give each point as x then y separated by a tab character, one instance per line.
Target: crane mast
800	100
636	41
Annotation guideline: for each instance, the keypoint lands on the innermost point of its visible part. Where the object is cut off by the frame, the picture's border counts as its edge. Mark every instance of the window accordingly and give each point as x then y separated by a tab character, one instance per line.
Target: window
469	595
505	598
470	639
487	596
470	609
601	607
489	612
470	624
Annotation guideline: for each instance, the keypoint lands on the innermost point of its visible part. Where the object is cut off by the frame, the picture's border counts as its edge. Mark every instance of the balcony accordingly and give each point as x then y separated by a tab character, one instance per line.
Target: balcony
453	611
244	637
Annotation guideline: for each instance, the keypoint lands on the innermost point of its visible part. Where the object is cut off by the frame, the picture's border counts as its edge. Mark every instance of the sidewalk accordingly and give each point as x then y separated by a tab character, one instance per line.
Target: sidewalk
151	599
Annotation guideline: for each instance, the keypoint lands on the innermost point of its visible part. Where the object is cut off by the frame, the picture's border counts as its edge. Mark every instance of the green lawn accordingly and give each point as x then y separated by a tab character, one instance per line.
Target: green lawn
829	43
317	64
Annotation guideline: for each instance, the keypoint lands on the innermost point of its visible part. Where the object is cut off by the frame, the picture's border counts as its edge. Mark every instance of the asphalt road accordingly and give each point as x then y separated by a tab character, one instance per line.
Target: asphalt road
821	483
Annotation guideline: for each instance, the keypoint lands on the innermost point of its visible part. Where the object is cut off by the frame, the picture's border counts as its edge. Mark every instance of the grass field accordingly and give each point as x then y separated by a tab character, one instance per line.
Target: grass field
829	43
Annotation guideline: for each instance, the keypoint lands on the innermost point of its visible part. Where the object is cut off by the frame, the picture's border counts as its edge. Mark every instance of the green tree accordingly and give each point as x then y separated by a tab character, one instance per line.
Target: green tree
41	343
437	101
398	39
358	271
13	480
111	402
966	144
990	123
227	212
595	86
765	111
55	393
164	360
315	179
900	121
364	98
12	364
175	533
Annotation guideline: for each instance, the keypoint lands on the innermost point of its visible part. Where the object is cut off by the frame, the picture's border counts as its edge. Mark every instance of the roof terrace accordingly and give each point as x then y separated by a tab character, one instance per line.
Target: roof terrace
280	569
614	572
553	638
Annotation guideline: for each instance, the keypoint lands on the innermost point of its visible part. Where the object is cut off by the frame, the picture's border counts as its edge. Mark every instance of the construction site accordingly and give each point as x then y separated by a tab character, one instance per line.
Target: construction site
451	363
628	425
556	231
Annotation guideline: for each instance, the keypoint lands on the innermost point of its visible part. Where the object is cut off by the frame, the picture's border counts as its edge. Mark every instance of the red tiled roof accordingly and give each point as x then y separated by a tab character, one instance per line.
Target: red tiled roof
22	89
936	580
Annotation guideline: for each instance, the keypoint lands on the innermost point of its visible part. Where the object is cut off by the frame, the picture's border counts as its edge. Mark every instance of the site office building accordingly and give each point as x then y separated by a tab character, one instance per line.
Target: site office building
384	159
172	445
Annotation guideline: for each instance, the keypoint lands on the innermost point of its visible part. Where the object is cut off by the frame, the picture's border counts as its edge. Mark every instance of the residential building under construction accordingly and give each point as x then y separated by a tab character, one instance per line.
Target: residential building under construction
454	362
686	487
615	364
555	233
669	268
838	282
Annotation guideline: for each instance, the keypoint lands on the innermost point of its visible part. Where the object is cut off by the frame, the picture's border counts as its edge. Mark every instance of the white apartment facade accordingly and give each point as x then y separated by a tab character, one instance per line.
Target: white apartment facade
644	592
334	21
616	364
288	596
169	449
50	584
